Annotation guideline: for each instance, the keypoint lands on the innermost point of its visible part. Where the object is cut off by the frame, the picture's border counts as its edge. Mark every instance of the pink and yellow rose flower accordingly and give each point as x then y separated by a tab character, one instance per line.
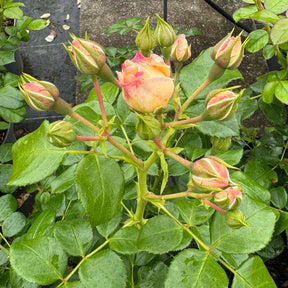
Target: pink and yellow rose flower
146	83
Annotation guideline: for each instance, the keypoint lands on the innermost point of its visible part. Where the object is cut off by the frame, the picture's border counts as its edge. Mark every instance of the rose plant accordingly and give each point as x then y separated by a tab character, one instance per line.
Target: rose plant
109	212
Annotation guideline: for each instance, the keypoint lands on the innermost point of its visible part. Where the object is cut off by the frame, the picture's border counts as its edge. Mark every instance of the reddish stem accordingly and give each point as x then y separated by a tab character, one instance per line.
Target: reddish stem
183	122
89	138
100	99
172	155
213	206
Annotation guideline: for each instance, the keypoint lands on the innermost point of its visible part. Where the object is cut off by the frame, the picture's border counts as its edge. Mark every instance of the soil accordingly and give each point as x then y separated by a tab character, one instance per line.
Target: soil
278	268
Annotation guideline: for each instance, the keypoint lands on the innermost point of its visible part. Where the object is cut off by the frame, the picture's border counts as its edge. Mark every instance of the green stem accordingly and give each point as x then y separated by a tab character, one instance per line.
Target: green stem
100	98
172	155
65	280
90	138
194	94
5	240
84	121
4	249
79	152
183	122
151	196
141	201
139	163
199	241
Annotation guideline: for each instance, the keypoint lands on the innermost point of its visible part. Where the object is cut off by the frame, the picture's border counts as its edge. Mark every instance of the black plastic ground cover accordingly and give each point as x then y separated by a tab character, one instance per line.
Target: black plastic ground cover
49	61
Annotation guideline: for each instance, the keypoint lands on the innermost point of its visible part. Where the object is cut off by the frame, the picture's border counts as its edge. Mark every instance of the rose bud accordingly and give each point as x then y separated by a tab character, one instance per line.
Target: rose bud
210	174
229	52
230	198
220	144
146	83
165	36
220	105
164	33
87	56
145	40
39	95
235	219
147	127
180	50
61	133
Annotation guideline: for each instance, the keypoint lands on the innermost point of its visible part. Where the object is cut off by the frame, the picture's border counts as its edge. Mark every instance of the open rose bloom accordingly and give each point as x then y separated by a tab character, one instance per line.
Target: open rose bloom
146	83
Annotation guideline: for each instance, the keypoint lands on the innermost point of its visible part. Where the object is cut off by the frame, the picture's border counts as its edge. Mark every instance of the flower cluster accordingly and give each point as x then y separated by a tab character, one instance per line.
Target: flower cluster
147	85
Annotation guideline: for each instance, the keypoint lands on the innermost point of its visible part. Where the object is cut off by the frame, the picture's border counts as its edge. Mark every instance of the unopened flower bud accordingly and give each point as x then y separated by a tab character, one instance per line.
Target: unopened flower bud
164	33
87	56
180	50
145	40
61	133
235	219
147	127
220	144
220	104
229	52
210	174
230	198
165	36
39	95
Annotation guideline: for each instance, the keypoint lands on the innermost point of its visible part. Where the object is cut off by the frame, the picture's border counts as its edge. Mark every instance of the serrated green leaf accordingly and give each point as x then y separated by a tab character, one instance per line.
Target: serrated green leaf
42	224
8	205
99	184
107	228
268	92
261	221
125	240
47	261
219	129
63	181
257	40
244	12
192	212
152	276
279	197
232	157
279	32
281	90
37	24
109	93
275	112
261	173
104	268
159	235
276	6
5	171
34	158
14	224
251	188
74	236
255	274
265	16
13	12
193	268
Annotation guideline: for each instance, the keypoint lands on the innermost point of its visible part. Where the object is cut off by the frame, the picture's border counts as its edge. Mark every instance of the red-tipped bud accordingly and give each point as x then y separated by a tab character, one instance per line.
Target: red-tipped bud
229	52
230	198
220	105
87	56
39	95
180	50
145	40
210	174
235	219
61	133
